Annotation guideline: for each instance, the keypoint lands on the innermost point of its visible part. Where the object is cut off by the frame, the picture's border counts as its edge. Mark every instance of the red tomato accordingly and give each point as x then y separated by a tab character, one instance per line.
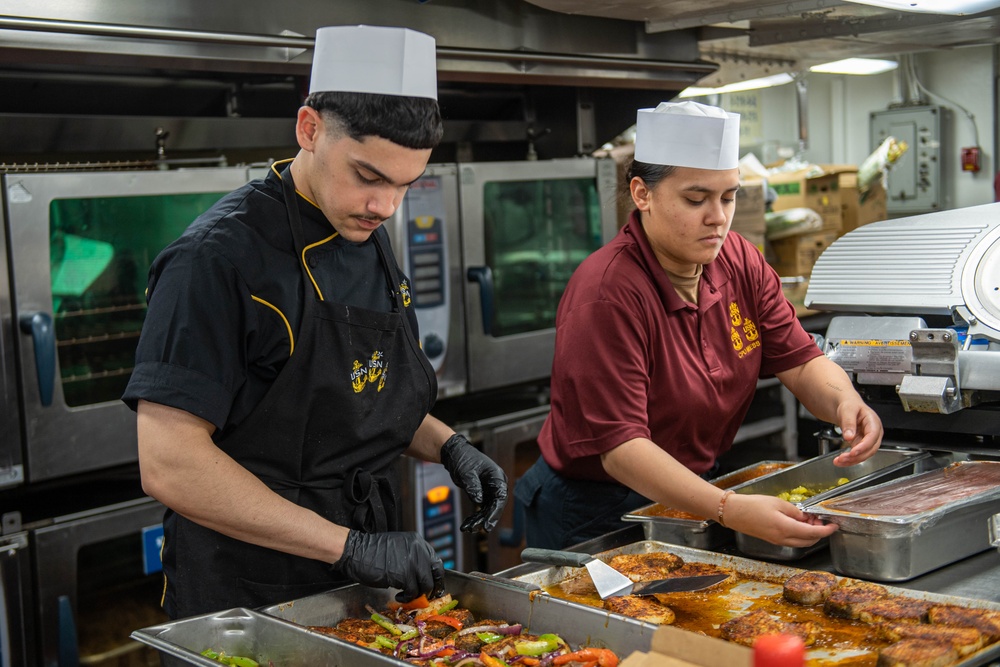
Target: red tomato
779	651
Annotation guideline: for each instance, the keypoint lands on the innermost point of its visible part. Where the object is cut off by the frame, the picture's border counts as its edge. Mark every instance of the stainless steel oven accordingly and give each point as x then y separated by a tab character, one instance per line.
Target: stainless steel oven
489	248
78	249
16	602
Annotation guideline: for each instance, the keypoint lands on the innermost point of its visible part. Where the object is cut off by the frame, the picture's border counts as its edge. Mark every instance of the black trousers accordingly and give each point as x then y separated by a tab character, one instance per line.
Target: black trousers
560	512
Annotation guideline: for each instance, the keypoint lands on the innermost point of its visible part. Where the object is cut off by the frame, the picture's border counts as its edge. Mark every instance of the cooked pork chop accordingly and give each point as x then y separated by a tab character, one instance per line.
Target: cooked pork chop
646	567
845	601
644	608
918	653
809	588
354	630
984	620
965	640
470	641
745	629
894	608
440	629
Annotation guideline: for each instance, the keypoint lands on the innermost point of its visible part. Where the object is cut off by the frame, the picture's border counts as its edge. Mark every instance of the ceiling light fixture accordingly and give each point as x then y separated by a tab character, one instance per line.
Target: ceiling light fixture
856	66
749	84
958	7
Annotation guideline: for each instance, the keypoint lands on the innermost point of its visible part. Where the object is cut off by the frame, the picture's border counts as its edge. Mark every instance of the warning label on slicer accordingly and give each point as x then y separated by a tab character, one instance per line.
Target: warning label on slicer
872	356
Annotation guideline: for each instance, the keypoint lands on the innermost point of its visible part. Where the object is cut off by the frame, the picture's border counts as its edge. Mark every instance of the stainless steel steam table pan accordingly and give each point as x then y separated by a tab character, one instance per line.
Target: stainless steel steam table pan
693	532
757	581
820	473
486	596
277	634
250	634
903	546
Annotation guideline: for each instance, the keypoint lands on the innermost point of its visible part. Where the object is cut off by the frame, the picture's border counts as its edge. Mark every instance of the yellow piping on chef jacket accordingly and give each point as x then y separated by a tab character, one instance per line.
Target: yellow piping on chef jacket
291	339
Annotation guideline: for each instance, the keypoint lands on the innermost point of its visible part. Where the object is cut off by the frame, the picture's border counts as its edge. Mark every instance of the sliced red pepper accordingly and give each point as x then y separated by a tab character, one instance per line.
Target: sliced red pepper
450	620
416	603
490	661
602	656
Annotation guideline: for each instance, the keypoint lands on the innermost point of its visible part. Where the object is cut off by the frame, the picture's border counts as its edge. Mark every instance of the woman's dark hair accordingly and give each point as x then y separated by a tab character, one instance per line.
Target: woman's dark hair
651	175
412	122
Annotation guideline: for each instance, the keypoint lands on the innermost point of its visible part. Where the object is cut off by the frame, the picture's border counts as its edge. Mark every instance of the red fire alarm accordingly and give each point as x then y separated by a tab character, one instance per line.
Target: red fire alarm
970	159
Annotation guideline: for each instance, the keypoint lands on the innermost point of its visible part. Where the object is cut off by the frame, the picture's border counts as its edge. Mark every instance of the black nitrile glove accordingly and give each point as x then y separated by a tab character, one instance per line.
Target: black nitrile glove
400	560
478	476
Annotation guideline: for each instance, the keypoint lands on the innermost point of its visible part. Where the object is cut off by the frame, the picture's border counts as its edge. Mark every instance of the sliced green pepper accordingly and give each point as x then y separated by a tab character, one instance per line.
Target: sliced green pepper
386	623
408	635
447	607
489	637
544	644
383	642
232	660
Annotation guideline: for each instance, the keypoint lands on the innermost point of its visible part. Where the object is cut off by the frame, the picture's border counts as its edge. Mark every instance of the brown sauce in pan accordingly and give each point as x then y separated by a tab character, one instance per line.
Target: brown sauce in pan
839	642
728	482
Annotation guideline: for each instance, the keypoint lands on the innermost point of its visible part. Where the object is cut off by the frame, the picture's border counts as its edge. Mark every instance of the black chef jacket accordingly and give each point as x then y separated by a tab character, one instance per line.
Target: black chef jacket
225	302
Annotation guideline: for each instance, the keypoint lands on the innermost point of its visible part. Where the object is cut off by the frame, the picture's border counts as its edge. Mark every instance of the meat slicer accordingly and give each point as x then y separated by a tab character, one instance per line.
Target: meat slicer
916	322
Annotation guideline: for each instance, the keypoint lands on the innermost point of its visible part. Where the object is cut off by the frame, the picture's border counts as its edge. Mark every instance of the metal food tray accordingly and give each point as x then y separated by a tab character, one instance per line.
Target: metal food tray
697	533
899	548
276	634
486	596
765	579
885	464
250	634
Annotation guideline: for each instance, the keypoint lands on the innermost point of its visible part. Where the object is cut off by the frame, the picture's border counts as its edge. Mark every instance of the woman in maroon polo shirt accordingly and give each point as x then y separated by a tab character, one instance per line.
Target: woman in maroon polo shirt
661	337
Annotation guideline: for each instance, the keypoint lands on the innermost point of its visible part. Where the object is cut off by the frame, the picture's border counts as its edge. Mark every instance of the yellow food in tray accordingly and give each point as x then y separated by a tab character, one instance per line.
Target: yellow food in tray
800	493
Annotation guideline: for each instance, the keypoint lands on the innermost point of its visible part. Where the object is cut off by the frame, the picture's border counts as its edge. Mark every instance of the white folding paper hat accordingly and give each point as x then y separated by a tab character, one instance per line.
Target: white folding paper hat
370	59
688	134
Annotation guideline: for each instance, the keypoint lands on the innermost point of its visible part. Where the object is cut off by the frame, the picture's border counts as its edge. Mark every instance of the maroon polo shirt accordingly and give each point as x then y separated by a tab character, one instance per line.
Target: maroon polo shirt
633	360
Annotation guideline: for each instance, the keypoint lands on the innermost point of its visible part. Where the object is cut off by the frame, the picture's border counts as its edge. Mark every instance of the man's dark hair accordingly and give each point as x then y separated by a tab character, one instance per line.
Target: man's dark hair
412	122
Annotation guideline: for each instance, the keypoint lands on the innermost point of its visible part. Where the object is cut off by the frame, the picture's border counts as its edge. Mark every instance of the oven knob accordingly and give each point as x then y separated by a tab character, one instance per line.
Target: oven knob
433	346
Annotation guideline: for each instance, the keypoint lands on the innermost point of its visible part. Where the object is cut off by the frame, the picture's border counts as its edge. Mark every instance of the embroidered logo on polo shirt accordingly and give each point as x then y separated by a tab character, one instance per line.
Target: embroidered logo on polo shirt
743	333
372	373
404	291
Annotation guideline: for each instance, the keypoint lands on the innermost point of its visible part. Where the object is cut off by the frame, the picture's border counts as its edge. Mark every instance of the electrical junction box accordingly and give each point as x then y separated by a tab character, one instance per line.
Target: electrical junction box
914	182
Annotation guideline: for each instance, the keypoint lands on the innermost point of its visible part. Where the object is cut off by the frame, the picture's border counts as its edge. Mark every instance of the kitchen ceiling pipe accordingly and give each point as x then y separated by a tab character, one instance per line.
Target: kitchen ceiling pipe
294	42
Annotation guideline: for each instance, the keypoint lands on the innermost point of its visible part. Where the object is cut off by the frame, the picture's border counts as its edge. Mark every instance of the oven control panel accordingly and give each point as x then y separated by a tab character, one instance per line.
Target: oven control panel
439	515
426	257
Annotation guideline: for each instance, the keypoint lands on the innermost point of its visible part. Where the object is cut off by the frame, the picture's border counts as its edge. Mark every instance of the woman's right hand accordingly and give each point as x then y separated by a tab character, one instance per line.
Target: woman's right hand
774	520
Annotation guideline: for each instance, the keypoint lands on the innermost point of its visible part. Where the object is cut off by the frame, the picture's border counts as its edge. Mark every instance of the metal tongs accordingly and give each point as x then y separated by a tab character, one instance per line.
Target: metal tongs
610	582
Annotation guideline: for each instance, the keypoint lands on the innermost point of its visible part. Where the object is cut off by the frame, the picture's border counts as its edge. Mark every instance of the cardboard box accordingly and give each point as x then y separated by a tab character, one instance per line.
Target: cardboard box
809	188
748	221
796	255
855	211
672	647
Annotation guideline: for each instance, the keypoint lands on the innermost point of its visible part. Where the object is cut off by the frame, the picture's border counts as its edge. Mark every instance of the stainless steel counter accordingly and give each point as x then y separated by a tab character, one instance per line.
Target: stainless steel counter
976	577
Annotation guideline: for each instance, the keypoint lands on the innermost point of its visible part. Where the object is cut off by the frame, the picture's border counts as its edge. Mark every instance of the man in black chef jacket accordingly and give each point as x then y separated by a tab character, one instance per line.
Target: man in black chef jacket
279	376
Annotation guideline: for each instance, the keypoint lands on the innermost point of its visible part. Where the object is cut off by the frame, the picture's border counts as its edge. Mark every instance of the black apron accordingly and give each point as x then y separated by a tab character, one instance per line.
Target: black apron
325	436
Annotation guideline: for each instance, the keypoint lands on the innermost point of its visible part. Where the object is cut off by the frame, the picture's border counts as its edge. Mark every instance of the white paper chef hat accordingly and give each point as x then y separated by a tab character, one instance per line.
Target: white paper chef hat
688	134
370	59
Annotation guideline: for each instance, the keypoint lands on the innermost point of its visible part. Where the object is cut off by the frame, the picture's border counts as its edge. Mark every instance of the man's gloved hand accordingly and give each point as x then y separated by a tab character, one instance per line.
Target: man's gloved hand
480	477
400	560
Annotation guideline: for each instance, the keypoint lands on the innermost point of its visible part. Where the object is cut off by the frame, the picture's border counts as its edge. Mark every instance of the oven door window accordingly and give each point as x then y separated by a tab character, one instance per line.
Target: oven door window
100	251
537	233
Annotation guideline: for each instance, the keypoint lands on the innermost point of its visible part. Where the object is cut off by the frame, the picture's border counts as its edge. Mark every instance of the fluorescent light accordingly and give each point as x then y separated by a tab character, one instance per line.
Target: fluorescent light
934	6
749	84
856	66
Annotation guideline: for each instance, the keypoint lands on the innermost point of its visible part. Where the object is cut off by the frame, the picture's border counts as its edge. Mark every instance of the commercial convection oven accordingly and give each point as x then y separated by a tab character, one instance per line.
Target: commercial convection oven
489	248
79	246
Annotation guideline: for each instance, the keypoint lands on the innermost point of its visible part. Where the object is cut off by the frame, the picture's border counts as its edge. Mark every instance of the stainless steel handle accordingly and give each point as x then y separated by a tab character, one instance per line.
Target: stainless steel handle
39	326
552	557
